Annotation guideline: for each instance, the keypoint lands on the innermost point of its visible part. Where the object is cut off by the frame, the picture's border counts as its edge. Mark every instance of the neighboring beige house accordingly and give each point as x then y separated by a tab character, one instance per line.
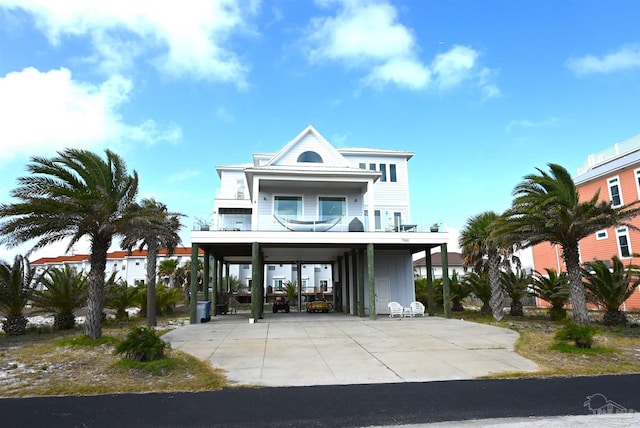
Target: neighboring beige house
454	264
342	211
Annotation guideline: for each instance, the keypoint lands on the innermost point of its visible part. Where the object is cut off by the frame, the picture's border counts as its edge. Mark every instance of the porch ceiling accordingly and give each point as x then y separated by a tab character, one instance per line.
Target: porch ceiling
322	249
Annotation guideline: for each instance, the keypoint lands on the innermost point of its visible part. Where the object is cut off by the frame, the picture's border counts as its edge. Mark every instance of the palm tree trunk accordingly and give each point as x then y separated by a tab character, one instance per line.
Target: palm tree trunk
497	300
576	288
95	300
152	255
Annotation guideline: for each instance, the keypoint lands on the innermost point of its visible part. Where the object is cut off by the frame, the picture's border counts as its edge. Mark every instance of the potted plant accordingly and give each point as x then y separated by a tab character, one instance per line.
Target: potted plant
435	227
202	224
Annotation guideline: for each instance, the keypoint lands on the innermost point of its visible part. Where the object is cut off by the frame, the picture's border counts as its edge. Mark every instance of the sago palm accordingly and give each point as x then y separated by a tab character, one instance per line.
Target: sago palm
460	290
120	297
73	195
481	288
16	289
611	287
158	230
65	290
516	285
547	208
554	289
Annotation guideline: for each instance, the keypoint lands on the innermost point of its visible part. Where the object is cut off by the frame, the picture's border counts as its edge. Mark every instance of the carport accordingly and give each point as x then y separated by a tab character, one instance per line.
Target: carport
351	255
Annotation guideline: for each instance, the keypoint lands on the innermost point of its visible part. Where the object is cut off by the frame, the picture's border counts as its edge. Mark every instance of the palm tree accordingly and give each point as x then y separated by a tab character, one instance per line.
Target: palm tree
552	288
73	195
516	285
159	230
169	268
65	290
547	208
16	288
481	288
611	287
482	252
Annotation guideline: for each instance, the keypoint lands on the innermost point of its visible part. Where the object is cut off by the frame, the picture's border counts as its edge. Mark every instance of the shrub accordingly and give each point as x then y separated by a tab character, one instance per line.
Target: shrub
142	344
480	288
121	297
552	287
611	287
516	285
64	291
581	335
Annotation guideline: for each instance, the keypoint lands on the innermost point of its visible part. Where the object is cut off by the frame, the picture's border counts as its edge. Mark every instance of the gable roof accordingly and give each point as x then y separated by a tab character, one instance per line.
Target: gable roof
321	144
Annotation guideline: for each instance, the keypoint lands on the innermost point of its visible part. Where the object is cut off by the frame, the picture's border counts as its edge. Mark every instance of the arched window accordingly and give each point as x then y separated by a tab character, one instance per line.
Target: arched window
309	157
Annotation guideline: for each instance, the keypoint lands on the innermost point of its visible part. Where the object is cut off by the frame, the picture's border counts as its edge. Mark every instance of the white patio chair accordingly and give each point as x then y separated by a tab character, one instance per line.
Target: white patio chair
395	309
417	308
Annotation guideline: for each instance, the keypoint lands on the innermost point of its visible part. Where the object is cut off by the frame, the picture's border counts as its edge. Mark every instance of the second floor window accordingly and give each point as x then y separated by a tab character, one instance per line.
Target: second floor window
392	173
383	170
614	191
378	219
623	242
331	207
288	206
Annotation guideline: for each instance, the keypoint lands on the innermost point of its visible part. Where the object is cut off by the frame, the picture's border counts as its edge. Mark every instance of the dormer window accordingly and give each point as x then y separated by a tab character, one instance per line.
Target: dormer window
310	156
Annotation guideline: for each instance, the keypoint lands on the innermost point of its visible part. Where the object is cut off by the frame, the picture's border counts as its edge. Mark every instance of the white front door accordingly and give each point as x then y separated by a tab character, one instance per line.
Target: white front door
382	295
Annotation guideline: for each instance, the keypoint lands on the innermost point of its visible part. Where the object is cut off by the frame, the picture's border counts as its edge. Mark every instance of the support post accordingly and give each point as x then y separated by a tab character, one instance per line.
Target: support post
256	280
373	313
299	281
214	286
262	288
431	298
193	304
361	283
339	304
205	276
354	281
446	291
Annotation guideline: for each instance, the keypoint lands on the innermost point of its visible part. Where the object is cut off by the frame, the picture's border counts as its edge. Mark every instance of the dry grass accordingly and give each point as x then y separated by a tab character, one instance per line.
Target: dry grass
616	350
52	364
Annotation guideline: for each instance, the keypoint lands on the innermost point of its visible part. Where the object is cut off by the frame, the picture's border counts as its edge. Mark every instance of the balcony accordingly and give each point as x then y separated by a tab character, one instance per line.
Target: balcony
271	223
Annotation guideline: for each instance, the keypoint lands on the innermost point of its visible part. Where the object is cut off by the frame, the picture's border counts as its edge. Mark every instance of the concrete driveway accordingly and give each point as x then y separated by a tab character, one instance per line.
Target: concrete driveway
300	349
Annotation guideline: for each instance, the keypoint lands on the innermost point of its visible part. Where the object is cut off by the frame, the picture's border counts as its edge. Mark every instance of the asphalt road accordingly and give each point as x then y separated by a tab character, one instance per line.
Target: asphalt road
328	406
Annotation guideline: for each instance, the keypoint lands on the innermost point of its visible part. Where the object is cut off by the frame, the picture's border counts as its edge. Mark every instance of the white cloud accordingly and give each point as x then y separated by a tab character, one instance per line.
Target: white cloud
179	39
42	112
525	123
489	89
625	58
366	34
452	67
360	32
403	72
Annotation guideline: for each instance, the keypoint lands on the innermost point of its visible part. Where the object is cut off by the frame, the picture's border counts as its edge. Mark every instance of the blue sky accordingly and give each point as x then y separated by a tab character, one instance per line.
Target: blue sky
482	92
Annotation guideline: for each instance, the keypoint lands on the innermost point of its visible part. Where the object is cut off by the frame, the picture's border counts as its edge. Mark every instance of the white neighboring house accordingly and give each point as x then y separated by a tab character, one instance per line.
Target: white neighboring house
341	217
131	267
